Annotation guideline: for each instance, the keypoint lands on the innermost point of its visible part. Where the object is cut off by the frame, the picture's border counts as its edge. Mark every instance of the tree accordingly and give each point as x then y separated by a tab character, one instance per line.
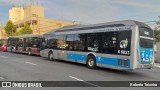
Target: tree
16	34
26	30
157	34
10	28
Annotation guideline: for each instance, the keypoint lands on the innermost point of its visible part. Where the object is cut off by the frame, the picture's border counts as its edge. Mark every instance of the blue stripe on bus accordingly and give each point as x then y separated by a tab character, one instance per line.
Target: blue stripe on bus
99	60
109	61
78	57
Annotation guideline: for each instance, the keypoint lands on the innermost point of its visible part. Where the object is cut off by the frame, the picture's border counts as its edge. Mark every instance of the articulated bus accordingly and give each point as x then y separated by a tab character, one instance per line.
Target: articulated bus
12	43
27	43
122	45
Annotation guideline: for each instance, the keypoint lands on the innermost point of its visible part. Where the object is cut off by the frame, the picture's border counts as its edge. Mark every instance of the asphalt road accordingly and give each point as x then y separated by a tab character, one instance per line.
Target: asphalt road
20	67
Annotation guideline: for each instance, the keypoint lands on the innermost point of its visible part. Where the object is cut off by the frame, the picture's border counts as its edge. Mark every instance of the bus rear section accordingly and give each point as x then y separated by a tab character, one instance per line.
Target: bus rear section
145	50
13	44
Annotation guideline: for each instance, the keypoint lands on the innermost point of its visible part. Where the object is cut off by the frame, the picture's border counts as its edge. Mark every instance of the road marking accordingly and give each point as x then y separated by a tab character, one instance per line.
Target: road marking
83	81
30	63
76	78
2	78
3	57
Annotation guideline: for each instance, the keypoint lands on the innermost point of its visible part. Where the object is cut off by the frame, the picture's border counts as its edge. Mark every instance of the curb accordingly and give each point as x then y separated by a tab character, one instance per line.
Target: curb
156	65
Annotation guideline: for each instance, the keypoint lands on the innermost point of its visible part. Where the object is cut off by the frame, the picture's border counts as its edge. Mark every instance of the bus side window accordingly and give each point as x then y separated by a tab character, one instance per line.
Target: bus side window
61	42
44	44
93	42
79	42
109	43
69	42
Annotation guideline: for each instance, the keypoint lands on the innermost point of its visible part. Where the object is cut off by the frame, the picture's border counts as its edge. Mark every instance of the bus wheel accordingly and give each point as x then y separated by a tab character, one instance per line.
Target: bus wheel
29	52
50	56
91	62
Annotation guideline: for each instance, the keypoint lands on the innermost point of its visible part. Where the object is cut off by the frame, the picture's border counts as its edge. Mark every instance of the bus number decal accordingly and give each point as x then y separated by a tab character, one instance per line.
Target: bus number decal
124	43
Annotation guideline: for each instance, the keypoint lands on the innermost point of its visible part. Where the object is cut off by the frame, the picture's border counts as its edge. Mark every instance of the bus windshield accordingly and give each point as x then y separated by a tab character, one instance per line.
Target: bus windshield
146	37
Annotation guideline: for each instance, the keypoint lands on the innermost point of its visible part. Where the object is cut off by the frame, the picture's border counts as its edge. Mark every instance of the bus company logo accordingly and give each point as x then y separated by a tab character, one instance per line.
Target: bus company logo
124	44
6	84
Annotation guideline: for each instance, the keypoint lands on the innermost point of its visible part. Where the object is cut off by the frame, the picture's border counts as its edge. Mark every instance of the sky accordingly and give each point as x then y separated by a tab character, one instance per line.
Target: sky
91	11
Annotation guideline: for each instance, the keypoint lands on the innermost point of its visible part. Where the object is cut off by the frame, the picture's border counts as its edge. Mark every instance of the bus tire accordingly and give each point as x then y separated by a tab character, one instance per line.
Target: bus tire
50	56
29	52
91	62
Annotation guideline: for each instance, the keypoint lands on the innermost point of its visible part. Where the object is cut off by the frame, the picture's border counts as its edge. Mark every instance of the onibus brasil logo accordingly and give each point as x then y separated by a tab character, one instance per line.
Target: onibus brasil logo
124	43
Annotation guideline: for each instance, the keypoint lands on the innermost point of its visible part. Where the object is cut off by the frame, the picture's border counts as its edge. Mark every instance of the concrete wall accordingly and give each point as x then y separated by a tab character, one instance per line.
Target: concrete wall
157	52
38	11
42	25
16	13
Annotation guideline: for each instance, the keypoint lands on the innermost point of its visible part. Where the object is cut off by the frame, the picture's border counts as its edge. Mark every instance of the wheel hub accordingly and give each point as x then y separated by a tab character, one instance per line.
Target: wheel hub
91	62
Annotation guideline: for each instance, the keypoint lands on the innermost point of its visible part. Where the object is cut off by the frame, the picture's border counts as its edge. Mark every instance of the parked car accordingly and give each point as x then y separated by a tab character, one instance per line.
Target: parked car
3	48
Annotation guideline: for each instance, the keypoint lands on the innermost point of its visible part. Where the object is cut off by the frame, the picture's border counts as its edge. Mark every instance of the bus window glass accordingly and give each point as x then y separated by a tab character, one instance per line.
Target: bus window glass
36	42
92	42
146	43
43	44
52	42
109	41
146	35
29	42
20	43
12	41
146	32
124	42
69	42
79	42
61	42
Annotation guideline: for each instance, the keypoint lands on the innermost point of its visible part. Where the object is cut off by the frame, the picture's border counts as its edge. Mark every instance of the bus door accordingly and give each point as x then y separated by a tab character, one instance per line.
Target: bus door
24	45
115	47
108	49
61	46
43	44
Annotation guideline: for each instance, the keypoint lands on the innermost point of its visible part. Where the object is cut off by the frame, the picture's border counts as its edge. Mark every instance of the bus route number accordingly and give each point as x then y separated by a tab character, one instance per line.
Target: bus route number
123	52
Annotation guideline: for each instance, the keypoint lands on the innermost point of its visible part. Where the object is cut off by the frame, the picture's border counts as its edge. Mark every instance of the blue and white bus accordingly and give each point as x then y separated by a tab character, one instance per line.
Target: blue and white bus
124	45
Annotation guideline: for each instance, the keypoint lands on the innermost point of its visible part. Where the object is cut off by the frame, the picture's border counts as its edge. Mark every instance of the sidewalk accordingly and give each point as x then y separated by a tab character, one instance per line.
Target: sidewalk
156	65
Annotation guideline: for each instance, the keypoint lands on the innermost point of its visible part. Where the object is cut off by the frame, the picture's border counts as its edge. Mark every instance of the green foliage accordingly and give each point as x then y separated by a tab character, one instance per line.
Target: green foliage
16	34
157	34
26	30
10	28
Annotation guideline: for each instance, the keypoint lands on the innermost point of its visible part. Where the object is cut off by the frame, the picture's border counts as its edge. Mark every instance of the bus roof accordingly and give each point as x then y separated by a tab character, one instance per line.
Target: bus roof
26	35
101	25
30	35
